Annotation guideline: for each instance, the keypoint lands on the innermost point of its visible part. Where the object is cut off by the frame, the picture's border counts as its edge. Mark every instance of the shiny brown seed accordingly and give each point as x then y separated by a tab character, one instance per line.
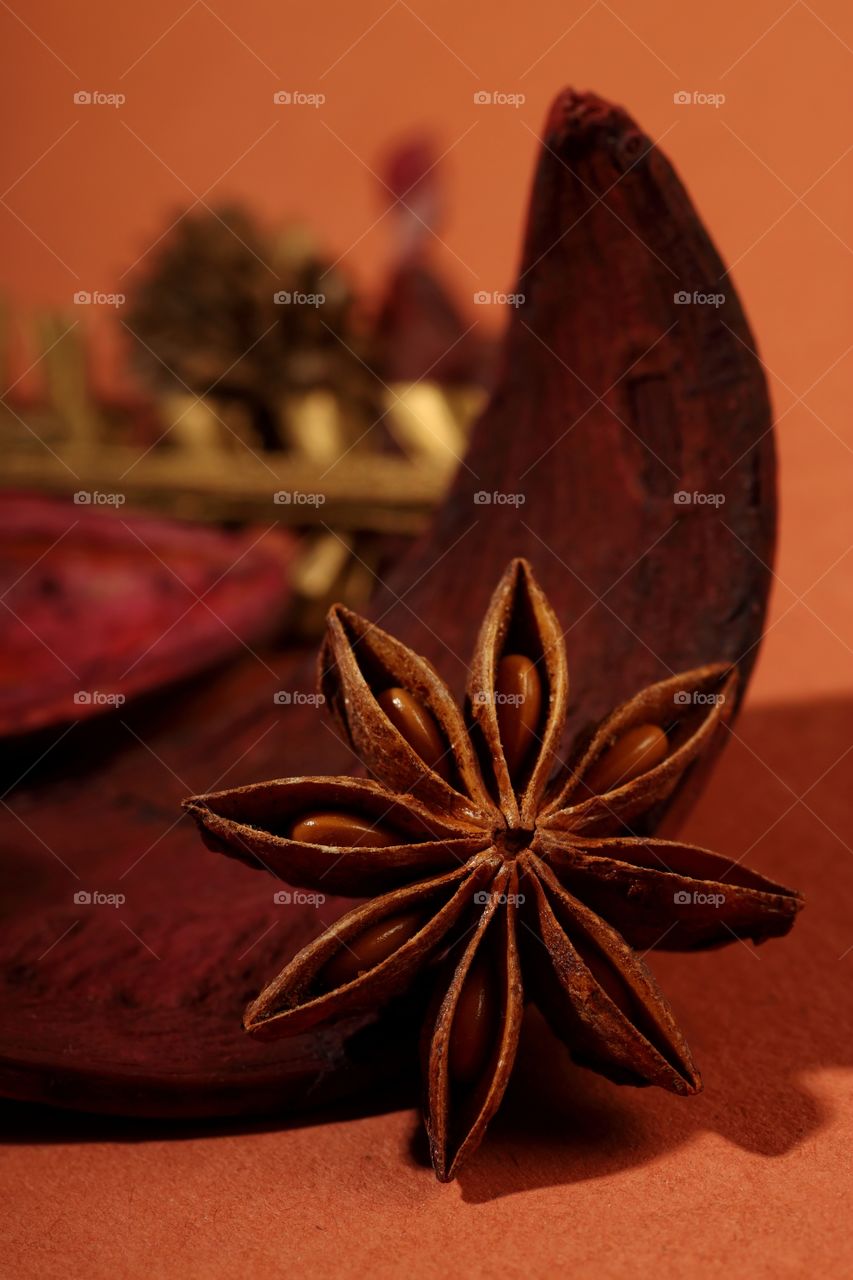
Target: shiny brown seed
342	831
518	702
370	948
637	751
472	1035
410	718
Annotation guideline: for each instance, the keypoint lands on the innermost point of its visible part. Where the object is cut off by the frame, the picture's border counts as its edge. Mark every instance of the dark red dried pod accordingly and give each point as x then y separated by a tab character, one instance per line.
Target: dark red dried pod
101	605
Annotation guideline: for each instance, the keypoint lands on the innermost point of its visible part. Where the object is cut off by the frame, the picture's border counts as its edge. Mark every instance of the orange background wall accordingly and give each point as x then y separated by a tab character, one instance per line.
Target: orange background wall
89	188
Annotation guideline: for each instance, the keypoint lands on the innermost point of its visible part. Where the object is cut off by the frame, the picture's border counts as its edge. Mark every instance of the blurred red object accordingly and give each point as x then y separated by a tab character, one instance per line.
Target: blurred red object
101	605
421	330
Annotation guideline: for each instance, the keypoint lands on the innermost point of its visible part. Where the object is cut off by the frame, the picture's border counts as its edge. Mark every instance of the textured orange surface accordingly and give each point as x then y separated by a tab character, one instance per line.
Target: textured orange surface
752	1178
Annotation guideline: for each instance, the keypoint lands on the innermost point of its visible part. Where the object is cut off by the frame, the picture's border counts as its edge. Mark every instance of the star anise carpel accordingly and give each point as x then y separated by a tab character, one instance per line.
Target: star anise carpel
490	864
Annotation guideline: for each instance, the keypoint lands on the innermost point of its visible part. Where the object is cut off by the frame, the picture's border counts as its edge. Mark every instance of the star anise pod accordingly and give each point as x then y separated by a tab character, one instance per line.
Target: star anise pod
501	872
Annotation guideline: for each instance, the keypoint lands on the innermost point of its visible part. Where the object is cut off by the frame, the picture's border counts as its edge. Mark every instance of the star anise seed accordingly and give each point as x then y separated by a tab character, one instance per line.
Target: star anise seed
480	828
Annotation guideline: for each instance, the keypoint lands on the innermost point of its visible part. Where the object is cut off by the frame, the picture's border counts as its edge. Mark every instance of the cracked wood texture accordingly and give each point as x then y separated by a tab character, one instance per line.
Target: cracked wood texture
613	396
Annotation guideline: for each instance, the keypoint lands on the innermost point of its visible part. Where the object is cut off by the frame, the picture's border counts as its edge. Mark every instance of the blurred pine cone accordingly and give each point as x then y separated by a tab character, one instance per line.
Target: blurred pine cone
231	315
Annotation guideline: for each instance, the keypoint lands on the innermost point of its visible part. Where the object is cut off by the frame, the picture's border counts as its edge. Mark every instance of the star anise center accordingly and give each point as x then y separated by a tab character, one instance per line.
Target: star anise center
511	841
